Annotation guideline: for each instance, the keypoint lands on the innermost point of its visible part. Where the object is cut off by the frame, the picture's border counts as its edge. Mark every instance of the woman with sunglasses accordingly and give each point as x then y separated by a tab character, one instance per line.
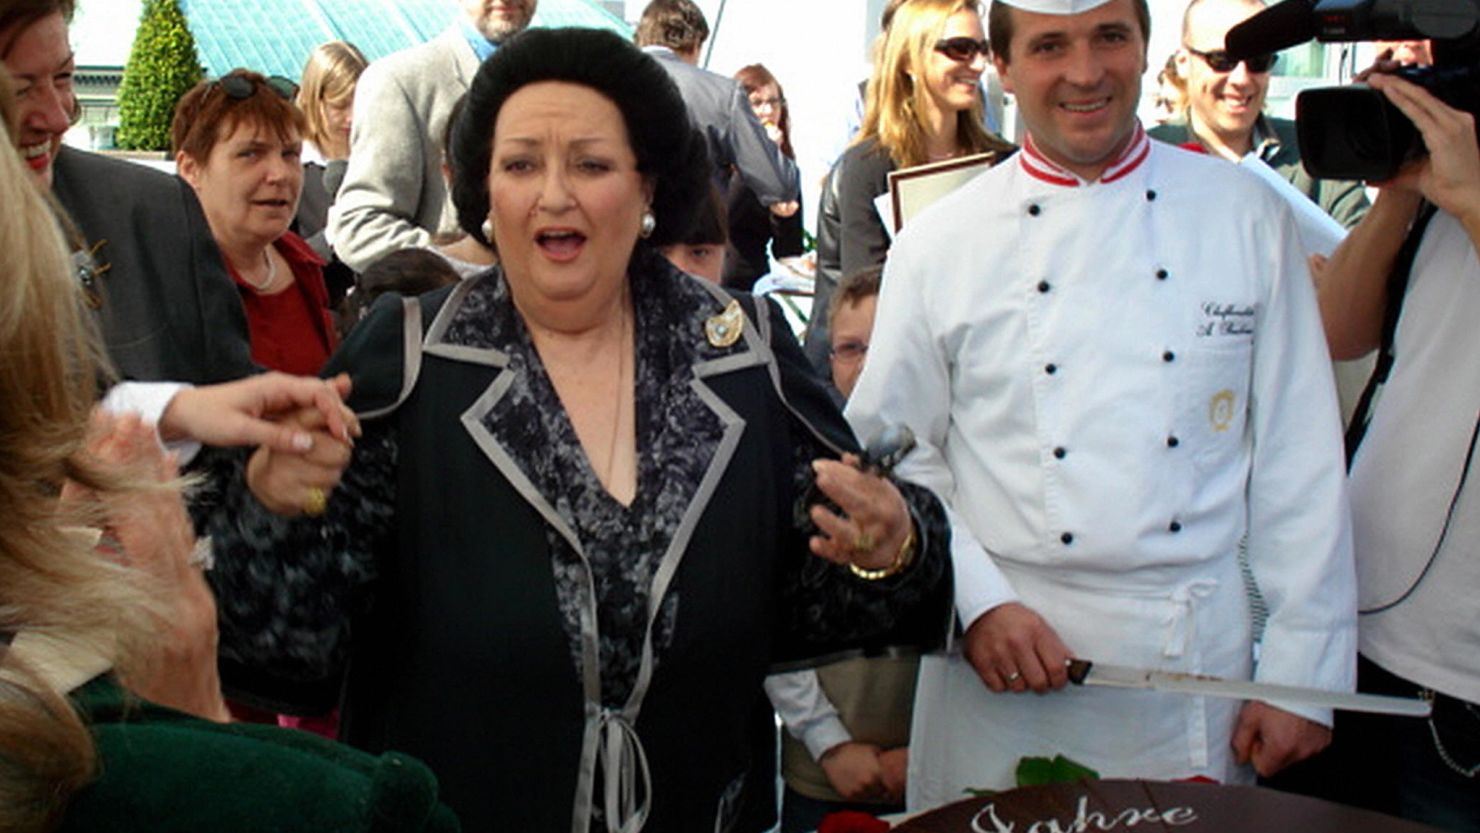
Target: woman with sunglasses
238	141
753	225
923	104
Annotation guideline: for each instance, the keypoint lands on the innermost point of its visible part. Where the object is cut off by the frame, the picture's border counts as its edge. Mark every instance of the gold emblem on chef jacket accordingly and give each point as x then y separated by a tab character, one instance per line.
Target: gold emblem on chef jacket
1220	410
724	329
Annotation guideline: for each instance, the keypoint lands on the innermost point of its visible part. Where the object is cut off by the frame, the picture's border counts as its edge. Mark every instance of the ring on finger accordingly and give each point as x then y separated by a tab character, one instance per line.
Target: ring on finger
1013	677
315	501
863	542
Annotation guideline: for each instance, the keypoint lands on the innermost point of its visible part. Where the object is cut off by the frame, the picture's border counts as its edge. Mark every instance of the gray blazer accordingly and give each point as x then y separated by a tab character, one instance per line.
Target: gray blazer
169	311
720	110
394	196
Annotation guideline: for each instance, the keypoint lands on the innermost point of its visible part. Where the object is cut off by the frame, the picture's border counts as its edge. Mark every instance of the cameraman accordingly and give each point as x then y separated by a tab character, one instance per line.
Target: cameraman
1416	519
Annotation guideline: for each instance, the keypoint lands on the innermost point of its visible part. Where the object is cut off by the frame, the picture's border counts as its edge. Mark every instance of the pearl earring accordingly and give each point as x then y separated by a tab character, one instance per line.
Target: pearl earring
487	229
649	222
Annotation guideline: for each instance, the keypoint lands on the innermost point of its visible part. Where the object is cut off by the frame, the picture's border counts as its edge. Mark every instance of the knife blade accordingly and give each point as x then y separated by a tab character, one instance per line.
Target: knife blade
1085	672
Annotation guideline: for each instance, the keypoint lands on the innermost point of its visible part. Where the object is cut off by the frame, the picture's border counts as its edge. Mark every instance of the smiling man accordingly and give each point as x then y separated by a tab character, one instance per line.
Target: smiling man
1109	351
393	196
1225	108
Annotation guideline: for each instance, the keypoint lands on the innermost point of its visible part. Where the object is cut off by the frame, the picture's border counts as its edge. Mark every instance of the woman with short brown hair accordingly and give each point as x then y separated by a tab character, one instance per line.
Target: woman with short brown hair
238	141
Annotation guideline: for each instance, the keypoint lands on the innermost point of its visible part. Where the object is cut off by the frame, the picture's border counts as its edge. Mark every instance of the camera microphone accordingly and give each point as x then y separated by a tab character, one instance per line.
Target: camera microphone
1280	26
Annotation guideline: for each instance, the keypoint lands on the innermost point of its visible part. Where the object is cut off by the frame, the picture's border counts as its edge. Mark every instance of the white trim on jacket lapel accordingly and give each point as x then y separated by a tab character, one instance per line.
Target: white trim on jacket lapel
472	419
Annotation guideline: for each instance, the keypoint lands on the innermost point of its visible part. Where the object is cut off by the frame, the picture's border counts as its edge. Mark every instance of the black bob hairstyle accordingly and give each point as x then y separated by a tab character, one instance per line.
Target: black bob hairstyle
669	151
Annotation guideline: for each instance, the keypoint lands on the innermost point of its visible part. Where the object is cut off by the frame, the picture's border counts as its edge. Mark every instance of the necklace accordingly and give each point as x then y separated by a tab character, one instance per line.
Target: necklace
271	266
611	453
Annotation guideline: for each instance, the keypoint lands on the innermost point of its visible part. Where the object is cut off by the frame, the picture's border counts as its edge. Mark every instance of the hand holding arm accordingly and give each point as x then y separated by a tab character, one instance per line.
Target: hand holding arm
244	412
1272	739
1013	649
284	482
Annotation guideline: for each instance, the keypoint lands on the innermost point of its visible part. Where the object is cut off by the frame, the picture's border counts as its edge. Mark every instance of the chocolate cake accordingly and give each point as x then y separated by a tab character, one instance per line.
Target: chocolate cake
1142	806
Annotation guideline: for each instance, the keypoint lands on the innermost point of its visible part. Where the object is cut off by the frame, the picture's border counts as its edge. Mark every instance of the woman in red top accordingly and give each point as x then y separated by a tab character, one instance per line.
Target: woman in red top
237	141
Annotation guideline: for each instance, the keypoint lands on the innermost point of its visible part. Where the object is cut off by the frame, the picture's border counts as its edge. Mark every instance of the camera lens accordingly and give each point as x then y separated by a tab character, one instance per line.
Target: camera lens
1351	133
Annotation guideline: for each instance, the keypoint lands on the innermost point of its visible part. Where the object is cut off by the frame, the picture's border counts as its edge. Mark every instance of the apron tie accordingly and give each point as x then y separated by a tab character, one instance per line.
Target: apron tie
1180	622
625	780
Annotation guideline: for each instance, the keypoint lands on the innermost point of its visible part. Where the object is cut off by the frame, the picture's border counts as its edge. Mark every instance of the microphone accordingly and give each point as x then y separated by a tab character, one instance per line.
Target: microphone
1280	26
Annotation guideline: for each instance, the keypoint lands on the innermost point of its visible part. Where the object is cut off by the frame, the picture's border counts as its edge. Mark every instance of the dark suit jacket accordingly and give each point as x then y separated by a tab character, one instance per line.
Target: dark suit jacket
719	109
169	310
752	228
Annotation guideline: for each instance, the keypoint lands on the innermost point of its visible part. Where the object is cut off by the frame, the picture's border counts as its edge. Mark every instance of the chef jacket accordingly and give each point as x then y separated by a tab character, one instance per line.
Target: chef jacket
1113	383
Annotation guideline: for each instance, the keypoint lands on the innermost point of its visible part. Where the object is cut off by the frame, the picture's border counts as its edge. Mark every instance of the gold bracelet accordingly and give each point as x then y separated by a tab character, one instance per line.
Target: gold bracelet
902	560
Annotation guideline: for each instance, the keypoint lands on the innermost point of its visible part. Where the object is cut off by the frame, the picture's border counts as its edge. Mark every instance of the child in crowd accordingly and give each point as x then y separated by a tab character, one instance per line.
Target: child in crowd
847	724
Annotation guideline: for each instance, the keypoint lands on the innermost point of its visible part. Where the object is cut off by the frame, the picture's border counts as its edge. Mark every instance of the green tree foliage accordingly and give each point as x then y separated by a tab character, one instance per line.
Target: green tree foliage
161	67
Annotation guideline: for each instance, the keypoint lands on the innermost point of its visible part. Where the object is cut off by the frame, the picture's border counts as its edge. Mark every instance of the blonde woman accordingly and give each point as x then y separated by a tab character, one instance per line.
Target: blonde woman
82	615
326	97
923	104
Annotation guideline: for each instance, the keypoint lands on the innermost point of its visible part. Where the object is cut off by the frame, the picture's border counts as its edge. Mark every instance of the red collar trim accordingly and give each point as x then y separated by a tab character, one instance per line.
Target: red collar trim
1038	166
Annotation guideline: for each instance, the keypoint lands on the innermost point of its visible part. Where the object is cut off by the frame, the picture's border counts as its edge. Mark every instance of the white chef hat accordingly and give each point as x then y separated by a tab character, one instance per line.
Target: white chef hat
1060	7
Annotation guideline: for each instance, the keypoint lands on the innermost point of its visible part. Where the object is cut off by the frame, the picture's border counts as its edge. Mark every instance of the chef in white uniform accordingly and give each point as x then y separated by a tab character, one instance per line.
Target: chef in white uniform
1110	351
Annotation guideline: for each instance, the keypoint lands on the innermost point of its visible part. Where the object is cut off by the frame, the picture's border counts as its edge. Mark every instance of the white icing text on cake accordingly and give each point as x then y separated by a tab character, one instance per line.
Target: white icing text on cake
987	821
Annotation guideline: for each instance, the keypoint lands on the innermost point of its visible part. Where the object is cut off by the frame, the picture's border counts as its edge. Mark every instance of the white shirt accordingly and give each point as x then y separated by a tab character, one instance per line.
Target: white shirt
1406	474
150	400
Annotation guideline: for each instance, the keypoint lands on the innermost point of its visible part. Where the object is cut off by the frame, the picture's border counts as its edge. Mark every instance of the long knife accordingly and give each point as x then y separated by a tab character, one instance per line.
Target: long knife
1085	672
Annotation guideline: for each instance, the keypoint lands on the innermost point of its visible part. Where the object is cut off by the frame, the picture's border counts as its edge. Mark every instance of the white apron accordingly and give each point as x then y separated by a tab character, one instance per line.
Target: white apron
966	737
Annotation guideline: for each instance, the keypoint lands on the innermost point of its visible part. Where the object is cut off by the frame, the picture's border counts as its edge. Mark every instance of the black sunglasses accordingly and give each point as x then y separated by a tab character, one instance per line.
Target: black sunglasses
241	88
1220	61
962	49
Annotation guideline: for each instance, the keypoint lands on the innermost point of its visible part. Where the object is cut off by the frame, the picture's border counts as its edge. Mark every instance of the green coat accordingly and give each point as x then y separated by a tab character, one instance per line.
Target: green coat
161	770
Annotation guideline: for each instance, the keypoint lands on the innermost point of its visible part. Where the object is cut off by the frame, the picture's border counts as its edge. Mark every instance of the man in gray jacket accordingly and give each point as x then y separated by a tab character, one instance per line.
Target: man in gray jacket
394	196
673	31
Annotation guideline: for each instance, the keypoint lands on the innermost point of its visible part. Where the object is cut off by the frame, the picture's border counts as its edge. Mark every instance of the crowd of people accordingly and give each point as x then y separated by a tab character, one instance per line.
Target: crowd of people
497	473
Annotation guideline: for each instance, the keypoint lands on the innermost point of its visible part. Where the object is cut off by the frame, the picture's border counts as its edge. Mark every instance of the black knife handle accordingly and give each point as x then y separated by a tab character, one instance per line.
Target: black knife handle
1078	670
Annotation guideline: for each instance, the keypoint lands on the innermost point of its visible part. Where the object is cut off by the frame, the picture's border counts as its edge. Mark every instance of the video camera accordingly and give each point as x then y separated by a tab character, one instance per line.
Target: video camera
1353	132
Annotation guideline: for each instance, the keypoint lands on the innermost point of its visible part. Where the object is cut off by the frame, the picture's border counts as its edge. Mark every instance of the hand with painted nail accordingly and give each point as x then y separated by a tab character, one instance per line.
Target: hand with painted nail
251	412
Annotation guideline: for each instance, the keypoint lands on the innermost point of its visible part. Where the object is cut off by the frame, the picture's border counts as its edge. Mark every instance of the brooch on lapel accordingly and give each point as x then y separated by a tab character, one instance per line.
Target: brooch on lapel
90	269
724	329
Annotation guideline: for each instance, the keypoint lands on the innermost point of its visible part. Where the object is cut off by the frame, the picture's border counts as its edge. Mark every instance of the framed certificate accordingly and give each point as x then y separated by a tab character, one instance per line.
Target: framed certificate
912	189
